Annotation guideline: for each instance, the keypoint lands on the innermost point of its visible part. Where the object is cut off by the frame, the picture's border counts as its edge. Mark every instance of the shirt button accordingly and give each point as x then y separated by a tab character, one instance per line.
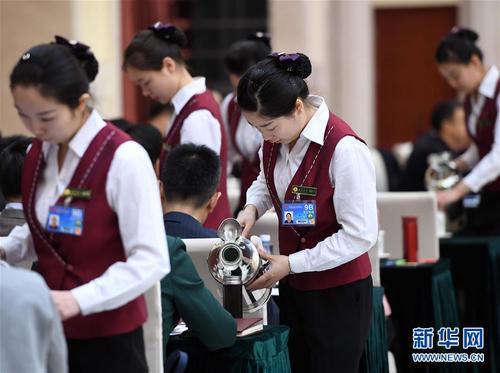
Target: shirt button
69	267
303	240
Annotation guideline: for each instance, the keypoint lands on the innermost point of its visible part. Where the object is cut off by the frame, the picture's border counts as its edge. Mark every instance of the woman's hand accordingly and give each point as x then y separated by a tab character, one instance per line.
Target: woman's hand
66	304
279	268
446	197
247	218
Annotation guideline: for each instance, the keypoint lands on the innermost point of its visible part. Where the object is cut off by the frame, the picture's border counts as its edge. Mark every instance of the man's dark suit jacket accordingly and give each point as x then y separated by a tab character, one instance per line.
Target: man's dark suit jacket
178	224
184	295
9	219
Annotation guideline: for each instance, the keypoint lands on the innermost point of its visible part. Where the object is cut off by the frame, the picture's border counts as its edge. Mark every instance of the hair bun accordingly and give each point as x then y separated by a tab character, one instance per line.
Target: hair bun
83	54
262	37
295	63
464	33
170	33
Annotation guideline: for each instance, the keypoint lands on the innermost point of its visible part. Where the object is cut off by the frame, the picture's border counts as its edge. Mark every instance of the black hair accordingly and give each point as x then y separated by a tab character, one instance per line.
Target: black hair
245	53
458	47
158	108
191	174
149	137
272	86
442	111
149	47
59	70
11	165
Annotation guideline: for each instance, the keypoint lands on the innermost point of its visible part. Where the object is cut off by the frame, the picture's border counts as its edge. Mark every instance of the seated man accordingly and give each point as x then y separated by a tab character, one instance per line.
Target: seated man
31	337
190	178
11	168
183	295
448	134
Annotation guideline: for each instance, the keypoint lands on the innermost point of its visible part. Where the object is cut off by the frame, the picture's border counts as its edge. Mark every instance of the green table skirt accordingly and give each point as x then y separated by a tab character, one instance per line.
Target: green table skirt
375	355
266	351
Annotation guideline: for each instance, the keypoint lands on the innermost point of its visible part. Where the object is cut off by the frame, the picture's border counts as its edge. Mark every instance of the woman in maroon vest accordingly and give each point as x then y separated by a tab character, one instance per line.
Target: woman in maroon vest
244	140
92	208
315	167
154	62
460	61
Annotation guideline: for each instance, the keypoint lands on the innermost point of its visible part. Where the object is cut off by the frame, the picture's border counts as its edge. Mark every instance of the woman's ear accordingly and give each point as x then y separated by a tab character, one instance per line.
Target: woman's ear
475	61
299	106
169	64
83	102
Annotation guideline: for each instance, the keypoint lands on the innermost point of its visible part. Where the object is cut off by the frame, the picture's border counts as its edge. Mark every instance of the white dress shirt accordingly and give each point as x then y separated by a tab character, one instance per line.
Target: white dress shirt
248	138
200	127
488	168
353	176
132	192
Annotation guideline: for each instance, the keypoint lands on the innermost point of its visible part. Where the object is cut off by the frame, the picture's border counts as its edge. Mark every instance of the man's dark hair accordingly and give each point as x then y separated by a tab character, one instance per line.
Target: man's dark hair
11	165
442	111
191	173
149	137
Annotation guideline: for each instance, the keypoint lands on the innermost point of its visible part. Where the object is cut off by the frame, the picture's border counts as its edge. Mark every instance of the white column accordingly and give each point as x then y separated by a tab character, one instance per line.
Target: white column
337	36
98	24
483	16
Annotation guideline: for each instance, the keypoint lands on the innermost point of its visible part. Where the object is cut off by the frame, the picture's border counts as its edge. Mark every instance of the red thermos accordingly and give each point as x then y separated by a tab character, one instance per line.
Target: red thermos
410	238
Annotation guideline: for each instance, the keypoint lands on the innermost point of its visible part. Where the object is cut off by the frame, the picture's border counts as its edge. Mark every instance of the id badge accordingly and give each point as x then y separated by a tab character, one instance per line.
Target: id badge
301	213
67	220
472	201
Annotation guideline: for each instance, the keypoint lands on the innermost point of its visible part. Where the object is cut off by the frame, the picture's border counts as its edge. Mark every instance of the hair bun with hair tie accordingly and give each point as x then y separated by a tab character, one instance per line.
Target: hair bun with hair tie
295	63
83	54
464	33
262	37
170	33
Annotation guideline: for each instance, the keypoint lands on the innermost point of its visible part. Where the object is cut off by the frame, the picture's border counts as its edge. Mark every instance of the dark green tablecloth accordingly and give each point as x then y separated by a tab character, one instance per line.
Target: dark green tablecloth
420	296
374	358
266	351
475	266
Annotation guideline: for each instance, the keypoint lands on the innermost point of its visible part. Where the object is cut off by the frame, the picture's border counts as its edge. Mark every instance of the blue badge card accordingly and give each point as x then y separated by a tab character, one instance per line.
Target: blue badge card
67	220
299	213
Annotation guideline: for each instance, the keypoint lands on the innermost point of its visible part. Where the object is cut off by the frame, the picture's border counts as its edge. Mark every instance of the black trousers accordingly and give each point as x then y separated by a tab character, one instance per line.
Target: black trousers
328	328
483	220
119	353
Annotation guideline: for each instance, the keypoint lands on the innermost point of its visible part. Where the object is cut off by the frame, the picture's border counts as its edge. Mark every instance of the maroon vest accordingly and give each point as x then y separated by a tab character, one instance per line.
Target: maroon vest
205	101
314	171
485	130
67	261
249	167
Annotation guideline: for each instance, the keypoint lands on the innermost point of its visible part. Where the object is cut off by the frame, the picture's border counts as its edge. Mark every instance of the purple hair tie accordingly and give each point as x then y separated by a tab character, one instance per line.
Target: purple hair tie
81	51
162	30
286	60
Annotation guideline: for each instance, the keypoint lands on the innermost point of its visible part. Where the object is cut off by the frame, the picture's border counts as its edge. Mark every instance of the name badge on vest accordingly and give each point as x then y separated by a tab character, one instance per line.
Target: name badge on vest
63	219
471	201
299	190
301	213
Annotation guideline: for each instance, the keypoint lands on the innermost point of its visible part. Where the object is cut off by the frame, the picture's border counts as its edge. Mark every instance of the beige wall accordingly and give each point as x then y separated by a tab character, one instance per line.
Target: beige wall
22	25
96	23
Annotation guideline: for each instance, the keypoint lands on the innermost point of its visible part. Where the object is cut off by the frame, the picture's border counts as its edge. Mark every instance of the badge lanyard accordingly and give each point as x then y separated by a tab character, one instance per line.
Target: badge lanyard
299	187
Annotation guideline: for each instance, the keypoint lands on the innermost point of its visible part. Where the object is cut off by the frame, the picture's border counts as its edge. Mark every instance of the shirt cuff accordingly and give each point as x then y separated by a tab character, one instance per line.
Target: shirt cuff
298	262
259	205
87	297
473	183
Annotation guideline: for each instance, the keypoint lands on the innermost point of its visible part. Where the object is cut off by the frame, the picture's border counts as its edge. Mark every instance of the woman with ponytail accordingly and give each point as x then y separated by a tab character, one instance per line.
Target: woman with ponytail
244	140
82	173
460	61
312	164
153	61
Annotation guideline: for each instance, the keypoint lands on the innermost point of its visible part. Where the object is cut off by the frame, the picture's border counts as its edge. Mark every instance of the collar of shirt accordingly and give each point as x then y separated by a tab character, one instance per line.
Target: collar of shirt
14	205
489	82
185	93
315	128
81	141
